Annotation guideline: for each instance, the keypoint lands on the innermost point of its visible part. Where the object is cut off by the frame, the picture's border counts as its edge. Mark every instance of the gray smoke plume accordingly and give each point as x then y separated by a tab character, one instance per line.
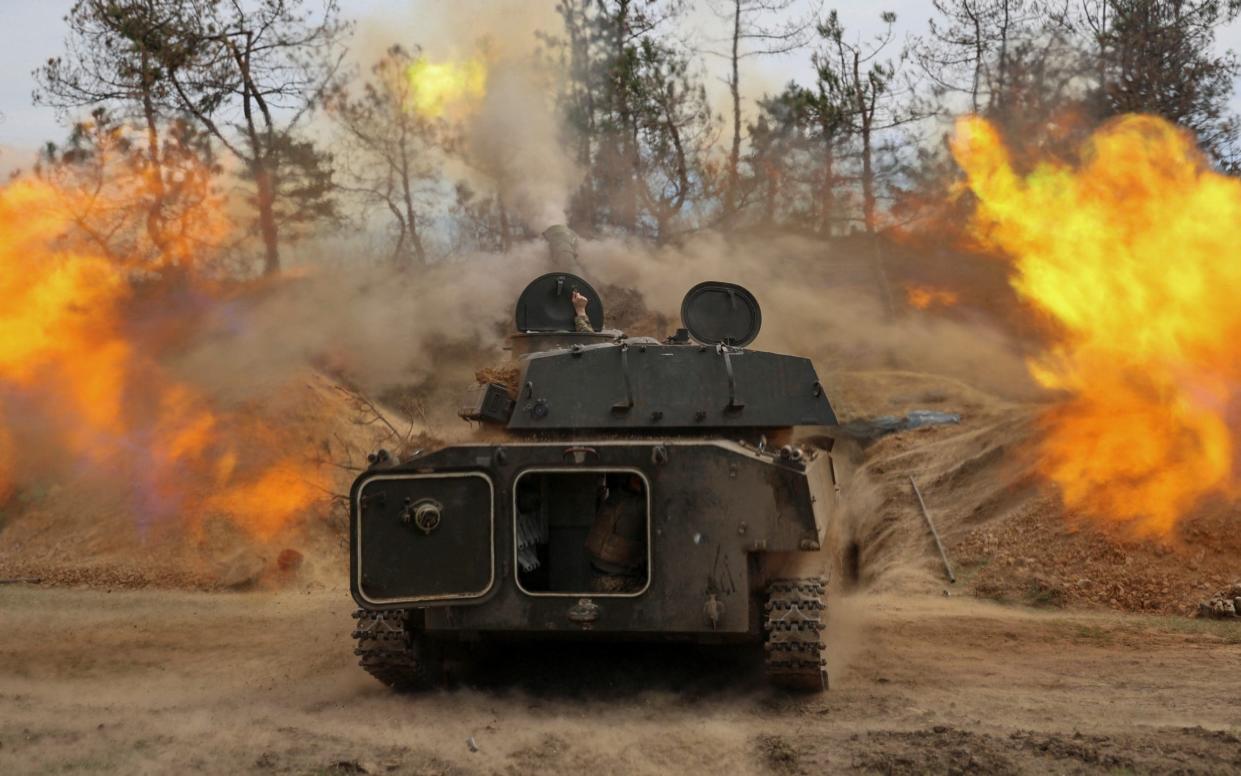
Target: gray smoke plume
515	138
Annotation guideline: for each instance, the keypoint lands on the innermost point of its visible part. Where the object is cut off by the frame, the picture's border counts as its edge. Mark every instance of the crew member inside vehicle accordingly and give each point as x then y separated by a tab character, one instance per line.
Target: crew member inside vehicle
617	539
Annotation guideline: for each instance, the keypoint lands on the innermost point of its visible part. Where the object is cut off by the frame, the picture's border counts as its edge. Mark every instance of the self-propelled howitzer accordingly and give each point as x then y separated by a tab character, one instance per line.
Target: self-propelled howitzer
645	488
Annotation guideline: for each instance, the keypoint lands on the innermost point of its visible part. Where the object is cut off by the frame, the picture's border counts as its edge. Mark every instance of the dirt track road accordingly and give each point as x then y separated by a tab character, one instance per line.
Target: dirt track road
167	682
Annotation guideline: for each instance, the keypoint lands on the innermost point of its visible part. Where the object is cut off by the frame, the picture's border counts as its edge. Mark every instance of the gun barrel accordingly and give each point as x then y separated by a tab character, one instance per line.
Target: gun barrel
562	248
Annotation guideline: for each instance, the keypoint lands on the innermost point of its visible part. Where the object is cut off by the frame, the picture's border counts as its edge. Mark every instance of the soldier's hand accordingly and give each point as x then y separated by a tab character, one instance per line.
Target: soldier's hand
579	302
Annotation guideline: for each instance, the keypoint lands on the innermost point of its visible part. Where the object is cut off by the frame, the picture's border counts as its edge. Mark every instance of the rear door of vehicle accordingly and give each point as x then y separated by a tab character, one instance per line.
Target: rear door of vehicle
422	538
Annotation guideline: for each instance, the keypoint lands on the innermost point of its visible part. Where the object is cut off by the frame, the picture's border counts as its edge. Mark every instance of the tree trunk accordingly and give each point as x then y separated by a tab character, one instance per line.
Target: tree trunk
627	195
978	57
866	112
399	258
155	212
998	96
264	178
734	88
868	179
580	69
415	237
829	187
1103	64
772	194
410	225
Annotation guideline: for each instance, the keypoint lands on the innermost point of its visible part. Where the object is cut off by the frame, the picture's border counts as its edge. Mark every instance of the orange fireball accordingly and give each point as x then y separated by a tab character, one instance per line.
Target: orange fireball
80	388
1133	254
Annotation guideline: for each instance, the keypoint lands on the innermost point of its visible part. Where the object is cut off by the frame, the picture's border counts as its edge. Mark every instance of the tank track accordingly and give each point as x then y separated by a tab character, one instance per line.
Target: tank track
391	652
795	616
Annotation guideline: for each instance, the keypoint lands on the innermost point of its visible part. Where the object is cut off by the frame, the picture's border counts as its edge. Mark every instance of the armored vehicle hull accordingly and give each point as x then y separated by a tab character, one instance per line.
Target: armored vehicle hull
724	523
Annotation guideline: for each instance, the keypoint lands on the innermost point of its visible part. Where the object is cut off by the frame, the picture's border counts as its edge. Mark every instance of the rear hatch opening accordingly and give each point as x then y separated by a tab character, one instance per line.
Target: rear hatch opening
582	532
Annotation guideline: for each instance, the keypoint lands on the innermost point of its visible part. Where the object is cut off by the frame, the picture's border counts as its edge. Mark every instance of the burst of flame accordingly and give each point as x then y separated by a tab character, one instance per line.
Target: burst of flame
926	297
440	87
1132	253
269	501
77	383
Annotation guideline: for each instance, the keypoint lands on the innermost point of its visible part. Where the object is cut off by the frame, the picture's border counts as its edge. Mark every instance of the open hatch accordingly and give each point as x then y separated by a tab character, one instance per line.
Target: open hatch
582	532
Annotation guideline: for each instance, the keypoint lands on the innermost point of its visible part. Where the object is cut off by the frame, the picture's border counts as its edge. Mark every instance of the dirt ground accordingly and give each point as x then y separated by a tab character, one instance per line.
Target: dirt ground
165	682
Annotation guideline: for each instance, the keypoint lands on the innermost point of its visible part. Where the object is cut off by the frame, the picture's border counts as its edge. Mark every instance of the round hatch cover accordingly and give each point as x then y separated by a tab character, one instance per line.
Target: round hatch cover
721	313
546	303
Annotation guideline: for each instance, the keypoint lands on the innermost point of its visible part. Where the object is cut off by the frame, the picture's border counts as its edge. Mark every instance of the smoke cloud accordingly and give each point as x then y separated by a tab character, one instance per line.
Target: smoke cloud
516	139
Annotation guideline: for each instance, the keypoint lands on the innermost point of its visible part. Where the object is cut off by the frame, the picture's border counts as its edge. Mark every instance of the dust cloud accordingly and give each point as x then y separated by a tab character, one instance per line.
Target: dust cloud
820	300
376	326
382	328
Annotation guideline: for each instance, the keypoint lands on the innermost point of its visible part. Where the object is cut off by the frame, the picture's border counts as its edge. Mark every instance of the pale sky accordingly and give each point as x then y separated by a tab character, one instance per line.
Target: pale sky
30	32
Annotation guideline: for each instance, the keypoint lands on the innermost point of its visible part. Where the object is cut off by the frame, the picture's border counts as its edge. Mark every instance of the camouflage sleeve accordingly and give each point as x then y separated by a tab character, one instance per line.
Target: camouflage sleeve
581	324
